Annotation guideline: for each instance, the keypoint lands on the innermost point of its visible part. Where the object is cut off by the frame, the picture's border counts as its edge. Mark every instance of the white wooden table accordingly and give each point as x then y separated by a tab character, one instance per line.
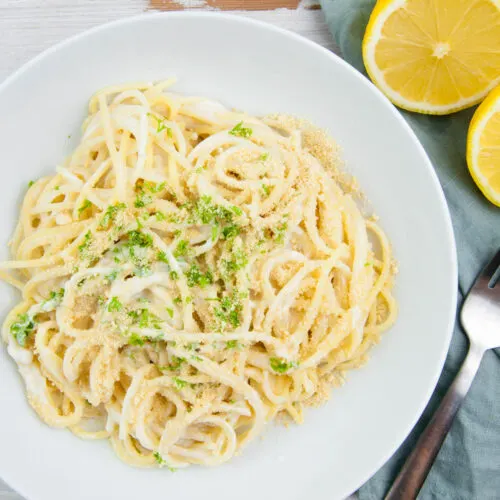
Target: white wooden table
28	27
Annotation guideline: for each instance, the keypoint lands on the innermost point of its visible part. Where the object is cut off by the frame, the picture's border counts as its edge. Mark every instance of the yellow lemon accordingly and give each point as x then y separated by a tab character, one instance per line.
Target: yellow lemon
483	147
434	56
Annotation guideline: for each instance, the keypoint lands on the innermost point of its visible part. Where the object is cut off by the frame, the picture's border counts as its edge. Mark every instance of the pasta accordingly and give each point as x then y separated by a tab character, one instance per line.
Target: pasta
189	274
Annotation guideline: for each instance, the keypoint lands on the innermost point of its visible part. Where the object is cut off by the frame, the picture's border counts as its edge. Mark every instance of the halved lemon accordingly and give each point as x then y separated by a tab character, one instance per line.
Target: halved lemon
483	147
434	56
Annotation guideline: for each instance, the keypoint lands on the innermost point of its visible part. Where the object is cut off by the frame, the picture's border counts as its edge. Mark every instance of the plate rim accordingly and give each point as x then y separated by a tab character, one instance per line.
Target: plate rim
396	113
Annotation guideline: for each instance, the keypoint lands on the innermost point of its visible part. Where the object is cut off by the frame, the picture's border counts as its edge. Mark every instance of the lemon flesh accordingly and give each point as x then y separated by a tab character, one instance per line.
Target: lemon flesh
483	147
434	56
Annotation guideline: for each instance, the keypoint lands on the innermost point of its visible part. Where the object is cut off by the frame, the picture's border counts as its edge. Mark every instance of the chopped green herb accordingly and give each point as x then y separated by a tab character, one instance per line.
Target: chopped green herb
162	256
86	204
57	188
135	339
53	301
179	383
239	261
214	233
142	200
170	312
280	232
196	358
153	187
196	278
264	156
84	247
230	231
266	188
115	305
233	344
158	458
162	462
21	329
174	276
236	210
137	238
182	249
145	319
204	211
229	311
30	183
160	125
241	131
177	300
176	363
280	365
160	216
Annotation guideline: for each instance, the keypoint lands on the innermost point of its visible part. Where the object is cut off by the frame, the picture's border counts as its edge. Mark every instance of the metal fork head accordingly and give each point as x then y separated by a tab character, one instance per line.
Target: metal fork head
480	314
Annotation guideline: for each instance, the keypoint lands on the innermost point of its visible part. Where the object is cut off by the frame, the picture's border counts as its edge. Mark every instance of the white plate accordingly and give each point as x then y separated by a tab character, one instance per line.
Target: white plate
260	69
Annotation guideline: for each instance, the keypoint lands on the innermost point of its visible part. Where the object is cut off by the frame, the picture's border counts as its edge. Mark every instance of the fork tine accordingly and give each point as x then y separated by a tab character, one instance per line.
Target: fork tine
488	271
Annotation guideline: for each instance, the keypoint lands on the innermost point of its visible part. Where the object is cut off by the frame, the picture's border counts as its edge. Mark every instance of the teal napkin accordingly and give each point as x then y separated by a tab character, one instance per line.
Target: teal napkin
468	465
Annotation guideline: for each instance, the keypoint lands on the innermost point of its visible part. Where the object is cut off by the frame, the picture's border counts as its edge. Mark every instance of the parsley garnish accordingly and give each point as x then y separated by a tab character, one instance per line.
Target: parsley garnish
115	305
174	276
142	200
239	261
145	319
231	231
53	301
140	239
162	462
177	300
280	231
266	188
162	256
182	248
135	339
21	329
160	125
241	131
280	365
233	344
176	363
86	204
30	183
263	156
170	312
196	278
84	247
204	211
229	311
179	383
110	214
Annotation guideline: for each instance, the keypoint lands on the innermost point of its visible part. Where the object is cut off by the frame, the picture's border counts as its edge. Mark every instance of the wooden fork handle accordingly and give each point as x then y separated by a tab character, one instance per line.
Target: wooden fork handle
412	476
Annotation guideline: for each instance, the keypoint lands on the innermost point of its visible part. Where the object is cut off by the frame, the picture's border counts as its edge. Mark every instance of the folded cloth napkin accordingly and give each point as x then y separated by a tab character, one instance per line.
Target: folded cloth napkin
468	465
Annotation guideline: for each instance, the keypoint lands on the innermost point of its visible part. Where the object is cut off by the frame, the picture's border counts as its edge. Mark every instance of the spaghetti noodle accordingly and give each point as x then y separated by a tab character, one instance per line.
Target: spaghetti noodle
189	274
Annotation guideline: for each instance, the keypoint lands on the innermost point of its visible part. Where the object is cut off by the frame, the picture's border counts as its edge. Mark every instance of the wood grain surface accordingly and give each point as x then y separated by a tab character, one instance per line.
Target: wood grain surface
28	27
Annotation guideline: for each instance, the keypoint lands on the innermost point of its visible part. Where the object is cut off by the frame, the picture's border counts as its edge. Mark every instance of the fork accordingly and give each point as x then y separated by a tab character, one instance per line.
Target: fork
480	318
